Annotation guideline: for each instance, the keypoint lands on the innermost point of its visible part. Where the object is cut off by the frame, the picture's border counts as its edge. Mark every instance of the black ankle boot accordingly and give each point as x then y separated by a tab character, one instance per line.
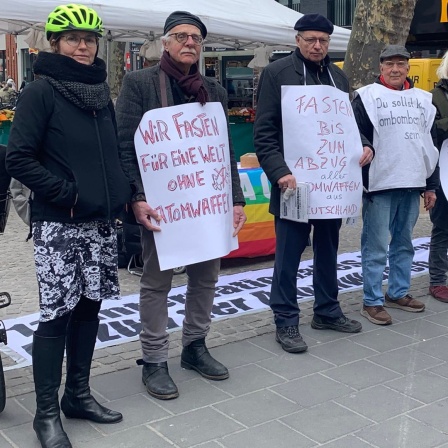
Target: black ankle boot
197	357
48	354
77	402
156	378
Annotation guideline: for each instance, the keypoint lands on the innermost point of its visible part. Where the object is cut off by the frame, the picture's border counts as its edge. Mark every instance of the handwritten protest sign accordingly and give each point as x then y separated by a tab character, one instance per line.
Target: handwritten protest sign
322	148
183	155
405	155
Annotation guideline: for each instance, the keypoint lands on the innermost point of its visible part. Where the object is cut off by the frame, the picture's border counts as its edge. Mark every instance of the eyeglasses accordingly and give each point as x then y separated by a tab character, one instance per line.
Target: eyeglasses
74	40
313	40
183	37
399	64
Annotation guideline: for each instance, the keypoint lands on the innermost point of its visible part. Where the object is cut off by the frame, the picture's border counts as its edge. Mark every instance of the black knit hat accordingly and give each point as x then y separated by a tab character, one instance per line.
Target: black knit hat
314	22
184	17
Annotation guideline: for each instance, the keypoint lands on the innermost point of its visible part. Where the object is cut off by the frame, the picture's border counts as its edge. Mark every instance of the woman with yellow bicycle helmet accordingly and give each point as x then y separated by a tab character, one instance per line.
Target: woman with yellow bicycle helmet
73	17
63	147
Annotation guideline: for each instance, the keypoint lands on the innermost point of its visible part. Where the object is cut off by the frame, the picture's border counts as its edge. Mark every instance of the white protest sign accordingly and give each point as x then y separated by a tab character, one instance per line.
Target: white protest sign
322	147
443	164
405	155
183	155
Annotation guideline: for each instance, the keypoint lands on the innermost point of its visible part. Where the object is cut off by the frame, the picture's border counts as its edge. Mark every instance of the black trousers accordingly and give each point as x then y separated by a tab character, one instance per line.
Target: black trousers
291	240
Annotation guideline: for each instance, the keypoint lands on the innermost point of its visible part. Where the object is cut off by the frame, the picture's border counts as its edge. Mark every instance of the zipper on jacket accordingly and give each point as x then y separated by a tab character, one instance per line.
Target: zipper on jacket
102	163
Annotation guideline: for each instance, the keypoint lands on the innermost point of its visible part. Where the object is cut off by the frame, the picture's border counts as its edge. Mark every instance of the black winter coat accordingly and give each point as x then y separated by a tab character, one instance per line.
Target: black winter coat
268	131
67	156
439	214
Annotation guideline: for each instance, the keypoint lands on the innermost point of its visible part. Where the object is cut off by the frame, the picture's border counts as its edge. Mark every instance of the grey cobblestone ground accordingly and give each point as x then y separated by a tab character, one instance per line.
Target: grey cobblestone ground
18	278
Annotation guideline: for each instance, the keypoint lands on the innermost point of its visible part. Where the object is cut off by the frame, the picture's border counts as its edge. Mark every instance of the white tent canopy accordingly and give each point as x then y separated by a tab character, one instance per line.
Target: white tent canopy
235	23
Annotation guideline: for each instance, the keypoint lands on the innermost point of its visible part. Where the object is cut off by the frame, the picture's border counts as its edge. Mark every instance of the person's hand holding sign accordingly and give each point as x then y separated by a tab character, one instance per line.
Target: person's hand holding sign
144	214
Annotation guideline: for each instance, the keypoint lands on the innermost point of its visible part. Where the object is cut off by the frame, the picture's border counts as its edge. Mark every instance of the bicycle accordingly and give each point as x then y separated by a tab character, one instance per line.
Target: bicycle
5	300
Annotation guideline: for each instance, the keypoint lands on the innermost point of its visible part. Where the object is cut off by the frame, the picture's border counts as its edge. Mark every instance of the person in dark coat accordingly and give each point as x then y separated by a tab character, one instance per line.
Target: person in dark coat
142	91
438	259
396	119
309	64
63	147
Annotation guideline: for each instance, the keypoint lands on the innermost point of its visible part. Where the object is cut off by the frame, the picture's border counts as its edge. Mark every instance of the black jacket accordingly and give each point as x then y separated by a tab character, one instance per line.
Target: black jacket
268	131
366	130
439	214
67	156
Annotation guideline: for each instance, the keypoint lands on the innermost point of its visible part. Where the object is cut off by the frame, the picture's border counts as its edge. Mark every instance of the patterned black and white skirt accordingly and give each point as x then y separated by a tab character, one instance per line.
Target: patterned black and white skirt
73	260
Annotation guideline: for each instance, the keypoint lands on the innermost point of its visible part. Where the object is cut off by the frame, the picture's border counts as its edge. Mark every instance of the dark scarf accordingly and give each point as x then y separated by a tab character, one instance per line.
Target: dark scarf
81	84
191	84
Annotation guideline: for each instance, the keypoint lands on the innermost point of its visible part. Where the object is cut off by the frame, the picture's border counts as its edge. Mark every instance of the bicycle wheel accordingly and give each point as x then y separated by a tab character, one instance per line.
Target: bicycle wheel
2	387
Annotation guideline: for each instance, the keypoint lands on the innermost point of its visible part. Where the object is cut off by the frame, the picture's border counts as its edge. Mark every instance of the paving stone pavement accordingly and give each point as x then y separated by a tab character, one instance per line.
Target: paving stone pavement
386	387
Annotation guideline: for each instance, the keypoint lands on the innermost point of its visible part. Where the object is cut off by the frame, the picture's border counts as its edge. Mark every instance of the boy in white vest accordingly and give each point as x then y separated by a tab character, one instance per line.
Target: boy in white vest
395	119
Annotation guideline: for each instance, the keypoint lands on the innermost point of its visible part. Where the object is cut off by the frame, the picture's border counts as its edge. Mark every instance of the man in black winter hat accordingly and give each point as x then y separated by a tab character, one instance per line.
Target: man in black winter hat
309	65
175	81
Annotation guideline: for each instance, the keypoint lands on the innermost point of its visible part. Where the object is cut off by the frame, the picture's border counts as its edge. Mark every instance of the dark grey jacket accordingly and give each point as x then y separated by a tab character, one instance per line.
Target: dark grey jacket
268	131
141	92
439	214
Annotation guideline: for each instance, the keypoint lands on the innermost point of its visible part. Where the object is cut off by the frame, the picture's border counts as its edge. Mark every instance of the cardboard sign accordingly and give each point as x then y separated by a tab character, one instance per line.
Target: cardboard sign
184	160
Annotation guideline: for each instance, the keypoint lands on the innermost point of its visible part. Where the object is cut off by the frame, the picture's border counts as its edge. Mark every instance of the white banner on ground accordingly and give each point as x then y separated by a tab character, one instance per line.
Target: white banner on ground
235	294
322	148
184	161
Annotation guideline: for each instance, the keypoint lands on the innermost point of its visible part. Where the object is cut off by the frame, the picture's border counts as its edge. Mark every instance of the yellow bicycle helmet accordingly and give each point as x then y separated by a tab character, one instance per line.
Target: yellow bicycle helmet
73	17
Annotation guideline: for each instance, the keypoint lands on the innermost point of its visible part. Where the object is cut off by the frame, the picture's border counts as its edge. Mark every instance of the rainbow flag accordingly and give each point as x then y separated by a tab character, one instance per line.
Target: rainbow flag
257	237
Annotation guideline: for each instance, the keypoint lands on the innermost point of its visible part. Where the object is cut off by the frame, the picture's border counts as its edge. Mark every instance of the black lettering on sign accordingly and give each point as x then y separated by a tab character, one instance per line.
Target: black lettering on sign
350	280
108	314
262	296
132	306
226	290
223	309
255	283
305	291
241	304
177	299
265	280
125	331
171	324
104	335
28	348
419	266
243	284
24	330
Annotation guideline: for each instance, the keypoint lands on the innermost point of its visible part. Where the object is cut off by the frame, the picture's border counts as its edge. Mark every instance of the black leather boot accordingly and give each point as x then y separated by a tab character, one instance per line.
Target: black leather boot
197	357
77	402
156	378
48	354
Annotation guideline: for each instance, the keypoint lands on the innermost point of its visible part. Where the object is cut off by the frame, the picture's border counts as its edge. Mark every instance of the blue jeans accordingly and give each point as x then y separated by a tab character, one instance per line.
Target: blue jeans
393	214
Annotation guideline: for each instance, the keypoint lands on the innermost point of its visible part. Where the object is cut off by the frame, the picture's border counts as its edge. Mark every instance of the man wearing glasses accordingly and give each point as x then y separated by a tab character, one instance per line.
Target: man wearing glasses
308	65
174	81
396	119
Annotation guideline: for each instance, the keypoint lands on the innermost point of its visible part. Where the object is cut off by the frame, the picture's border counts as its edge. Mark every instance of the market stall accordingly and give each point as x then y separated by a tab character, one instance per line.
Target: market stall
241	121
